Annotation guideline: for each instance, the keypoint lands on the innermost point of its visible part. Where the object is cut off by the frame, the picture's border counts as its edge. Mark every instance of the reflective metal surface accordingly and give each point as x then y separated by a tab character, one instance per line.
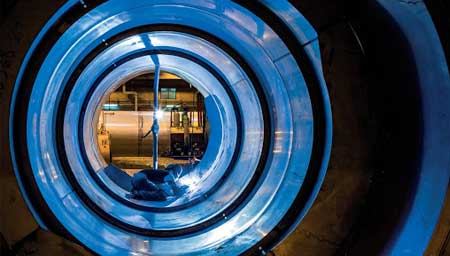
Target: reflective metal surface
262	125
415	26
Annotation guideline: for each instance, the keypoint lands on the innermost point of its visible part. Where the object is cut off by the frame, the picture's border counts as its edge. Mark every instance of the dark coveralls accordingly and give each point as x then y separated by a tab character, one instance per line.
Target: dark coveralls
157	185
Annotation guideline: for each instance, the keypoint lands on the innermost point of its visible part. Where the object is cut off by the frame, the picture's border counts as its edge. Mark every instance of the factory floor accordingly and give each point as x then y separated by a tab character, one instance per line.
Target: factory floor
43	243
130	163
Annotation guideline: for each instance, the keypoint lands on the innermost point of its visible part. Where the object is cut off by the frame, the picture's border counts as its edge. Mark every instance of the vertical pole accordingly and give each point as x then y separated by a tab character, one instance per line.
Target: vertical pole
155	126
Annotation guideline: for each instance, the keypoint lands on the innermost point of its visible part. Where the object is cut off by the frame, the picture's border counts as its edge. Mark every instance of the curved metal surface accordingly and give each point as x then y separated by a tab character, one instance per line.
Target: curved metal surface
261	193
20	74
413	21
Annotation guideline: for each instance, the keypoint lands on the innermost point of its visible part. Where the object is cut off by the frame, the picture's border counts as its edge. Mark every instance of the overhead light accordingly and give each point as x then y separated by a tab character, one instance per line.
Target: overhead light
111	106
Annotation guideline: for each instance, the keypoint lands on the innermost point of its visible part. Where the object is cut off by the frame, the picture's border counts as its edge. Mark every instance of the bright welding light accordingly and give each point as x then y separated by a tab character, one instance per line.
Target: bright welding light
191	181
159	114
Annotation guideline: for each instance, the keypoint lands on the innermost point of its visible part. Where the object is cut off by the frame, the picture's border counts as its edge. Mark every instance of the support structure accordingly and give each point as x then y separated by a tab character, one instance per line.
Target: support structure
155	126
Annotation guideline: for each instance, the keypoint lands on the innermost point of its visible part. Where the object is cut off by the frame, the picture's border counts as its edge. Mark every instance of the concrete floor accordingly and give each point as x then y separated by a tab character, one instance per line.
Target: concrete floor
43	243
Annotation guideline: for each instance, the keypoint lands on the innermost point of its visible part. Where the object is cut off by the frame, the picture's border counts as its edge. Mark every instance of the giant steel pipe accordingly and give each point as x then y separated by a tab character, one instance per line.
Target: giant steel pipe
258	65
271	128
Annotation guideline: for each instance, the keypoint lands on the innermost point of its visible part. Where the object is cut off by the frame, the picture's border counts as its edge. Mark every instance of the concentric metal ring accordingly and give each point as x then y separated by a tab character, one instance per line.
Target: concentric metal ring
267	62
